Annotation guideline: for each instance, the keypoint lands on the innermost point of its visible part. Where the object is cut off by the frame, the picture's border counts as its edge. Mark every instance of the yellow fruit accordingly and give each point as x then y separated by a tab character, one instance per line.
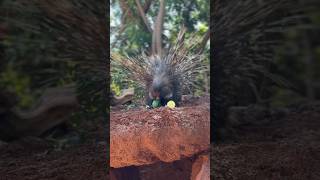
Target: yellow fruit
171	104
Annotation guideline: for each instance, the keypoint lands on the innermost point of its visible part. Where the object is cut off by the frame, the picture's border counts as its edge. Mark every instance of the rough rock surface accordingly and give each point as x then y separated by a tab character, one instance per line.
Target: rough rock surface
201	168
149	136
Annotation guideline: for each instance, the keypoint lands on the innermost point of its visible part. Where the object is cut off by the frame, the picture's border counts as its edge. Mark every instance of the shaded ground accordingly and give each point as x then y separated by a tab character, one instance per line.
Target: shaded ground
34	158
176	170
285	148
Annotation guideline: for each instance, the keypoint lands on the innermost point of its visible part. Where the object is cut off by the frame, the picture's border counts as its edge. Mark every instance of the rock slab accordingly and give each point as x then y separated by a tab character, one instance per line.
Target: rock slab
147	136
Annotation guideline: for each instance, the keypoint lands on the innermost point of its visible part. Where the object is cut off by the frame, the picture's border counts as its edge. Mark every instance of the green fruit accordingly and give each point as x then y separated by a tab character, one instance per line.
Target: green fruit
155	103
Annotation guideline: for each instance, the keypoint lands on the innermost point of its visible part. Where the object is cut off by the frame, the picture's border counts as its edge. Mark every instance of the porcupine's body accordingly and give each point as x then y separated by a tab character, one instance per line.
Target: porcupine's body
165	84
166	77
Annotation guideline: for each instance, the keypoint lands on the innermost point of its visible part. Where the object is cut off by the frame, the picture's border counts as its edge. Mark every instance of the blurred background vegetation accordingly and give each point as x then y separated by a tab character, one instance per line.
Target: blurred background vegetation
29	57
298	61
32	60
130	37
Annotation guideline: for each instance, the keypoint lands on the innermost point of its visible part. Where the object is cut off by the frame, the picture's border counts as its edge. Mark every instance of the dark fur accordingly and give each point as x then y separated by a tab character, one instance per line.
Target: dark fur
165	82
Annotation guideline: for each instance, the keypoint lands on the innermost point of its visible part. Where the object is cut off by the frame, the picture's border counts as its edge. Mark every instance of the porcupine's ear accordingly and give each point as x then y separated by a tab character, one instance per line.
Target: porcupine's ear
157	32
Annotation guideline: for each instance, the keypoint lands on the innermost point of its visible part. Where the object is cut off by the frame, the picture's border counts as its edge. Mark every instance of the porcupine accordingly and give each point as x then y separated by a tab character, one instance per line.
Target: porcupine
165	74
165	77
165	83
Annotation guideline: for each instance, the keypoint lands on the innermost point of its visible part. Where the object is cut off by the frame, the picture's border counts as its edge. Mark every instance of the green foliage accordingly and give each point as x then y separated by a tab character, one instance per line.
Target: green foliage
17	83
285	97
115	88
298	61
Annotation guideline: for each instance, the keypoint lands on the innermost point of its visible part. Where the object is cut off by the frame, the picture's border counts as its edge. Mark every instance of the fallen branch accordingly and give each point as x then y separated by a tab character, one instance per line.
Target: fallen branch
126	96
53	108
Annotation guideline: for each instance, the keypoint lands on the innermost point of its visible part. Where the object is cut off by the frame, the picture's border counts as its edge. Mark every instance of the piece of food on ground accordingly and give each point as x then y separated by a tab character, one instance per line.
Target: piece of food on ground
171	104
155	103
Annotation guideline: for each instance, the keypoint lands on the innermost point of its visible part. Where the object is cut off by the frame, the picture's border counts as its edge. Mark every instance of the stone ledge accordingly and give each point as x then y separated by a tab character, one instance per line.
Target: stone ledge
148	136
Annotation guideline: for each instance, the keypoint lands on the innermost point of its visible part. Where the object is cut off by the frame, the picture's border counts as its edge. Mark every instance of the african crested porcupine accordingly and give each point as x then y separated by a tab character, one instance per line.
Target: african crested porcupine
165	77
165	83
166	74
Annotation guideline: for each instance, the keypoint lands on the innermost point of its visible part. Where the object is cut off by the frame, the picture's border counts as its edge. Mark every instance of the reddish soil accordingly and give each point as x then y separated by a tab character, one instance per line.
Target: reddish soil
284	149
34	158
180	169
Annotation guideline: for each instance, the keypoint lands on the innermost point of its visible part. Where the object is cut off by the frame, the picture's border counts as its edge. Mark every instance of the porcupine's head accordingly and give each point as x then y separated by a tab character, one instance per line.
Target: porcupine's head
164	85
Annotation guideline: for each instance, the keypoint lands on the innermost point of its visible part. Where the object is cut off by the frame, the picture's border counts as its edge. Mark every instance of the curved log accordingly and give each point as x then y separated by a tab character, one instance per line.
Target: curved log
52	108
126	96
